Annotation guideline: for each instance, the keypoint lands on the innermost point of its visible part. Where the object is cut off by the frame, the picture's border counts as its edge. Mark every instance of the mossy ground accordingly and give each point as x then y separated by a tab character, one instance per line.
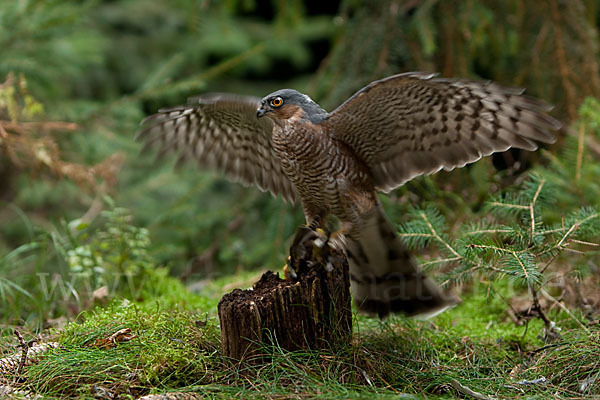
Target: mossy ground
177	348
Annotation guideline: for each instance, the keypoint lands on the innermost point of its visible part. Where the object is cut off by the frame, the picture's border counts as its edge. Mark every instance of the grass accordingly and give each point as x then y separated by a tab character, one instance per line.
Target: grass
172	348
177	347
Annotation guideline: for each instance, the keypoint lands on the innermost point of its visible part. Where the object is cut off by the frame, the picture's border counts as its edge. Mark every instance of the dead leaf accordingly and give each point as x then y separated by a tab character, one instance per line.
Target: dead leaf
120	336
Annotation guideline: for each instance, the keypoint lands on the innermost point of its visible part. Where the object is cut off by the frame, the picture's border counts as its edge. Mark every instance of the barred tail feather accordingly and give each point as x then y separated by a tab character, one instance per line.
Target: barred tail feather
384	276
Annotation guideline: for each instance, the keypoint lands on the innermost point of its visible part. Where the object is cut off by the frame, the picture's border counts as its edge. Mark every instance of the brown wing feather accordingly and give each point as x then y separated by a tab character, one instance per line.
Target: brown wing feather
222	132
414	124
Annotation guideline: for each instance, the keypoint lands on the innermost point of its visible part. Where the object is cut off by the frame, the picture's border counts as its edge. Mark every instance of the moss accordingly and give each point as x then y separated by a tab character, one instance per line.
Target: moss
177	348
172	347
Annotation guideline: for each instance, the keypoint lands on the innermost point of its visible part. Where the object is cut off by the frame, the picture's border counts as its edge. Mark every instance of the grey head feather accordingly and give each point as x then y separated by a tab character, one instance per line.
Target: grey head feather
312	111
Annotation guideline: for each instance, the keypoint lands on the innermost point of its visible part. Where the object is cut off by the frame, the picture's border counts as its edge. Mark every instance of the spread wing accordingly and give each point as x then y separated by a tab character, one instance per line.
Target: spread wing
221	132
414	124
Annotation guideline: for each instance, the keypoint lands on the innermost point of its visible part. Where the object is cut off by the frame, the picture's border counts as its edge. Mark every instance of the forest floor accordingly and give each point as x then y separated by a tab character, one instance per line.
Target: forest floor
484	349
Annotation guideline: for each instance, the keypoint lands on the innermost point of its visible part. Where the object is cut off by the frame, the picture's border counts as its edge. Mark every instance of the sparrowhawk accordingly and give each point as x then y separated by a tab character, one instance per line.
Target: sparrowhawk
387	133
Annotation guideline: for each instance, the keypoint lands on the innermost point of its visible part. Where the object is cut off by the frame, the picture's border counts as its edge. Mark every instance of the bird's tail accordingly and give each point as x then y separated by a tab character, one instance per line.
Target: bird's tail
385	278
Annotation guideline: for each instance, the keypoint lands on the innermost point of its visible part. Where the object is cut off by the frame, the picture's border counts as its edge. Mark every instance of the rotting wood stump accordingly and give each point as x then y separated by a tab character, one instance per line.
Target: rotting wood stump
312	311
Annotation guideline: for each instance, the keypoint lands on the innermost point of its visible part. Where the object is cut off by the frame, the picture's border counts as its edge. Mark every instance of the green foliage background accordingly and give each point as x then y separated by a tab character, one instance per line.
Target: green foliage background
105	65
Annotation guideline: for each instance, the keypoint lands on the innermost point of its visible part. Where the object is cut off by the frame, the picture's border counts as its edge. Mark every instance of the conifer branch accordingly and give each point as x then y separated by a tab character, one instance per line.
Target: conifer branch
514	254
442	261
569	250
496	248
583	242
423	235
527	247
480	231
553	230
574	227
532	209
505	205
438	237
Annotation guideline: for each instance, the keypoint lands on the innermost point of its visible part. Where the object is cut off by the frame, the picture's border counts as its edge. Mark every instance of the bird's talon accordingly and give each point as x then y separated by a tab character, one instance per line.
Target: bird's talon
289	272
329	266
322	238
337	242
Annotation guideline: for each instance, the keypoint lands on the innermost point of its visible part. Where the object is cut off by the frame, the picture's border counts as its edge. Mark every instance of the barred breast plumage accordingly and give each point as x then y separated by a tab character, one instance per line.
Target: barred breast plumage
319	168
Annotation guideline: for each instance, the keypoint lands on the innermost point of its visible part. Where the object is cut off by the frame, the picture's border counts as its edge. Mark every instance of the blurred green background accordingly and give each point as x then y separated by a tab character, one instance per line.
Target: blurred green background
105	65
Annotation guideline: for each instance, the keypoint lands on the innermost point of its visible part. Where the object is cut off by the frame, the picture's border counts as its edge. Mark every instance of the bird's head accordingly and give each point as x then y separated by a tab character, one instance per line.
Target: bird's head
287	103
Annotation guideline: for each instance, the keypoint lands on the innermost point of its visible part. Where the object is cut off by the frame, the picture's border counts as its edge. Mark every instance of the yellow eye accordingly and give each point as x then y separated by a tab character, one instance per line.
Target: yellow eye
276	102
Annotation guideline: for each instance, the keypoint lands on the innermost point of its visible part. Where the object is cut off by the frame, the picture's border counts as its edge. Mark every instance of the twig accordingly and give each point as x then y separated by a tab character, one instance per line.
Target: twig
551	231
47	125
565	309
426	235
519	206
11	392
469	392
548	263
531	208
495	248
584	242
438	237
24	349
548	346
3	133
569	250
172	396
525	331
10	364
580	147
574	227
538	308
476	232
441	260
538	381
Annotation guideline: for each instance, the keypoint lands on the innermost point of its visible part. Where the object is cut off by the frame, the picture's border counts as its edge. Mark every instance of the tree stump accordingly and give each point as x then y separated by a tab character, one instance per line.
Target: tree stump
311	311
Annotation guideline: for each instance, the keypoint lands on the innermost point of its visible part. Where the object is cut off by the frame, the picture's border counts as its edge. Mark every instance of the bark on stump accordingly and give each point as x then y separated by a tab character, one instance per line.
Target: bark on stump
310	312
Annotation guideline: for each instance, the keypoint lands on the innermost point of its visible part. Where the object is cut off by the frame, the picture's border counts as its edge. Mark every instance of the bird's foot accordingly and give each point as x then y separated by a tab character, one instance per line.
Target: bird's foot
311	246
337	240
301	252
324	244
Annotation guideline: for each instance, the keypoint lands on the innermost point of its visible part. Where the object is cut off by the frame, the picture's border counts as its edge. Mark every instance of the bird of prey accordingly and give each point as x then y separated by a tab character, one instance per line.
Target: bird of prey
334	163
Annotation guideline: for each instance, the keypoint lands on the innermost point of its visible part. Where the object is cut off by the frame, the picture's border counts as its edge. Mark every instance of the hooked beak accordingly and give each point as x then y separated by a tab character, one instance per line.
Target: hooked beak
261	112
